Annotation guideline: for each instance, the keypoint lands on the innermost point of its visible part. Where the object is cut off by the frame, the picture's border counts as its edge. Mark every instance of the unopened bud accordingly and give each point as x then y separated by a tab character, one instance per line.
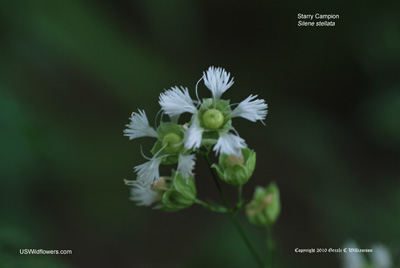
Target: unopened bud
172	143
213	119
265	207
180	195
232	160
236	170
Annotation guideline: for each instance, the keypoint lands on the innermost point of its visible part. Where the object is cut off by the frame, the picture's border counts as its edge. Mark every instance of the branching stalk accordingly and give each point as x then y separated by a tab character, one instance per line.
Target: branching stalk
232	215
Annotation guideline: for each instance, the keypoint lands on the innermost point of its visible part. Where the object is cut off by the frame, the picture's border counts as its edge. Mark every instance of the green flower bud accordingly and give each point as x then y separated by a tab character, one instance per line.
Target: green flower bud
236	170
214	116
265	207
172	142
169	143
213	119
181	194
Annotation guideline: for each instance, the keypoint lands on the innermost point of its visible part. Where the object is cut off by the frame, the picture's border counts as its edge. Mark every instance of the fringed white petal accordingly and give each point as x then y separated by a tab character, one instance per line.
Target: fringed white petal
139	126
352	259
217	81
142	193
229	144
381	257
193	135
177	101
186	165
251	109
149	172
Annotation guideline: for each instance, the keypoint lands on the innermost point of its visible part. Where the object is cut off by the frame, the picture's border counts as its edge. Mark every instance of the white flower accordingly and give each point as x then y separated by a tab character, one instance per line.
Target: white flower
251	109
217	81
186	165
229	144
148	172
352	259
176	101
142	193
139	126
193	135
381	256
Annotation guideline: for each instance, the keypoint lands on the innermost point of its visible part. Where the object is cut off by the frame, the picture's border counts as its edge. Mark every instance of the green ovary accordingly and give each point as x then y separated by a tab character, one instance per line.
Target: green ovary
173	143
213	119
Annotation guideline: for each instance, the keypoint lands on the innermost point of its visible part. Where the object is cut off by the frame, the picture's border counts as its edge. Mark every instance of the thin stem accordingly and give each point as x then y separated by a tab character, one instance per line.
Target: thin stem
239	204
270	247
216	181
232	216
217	208
240	188
246	240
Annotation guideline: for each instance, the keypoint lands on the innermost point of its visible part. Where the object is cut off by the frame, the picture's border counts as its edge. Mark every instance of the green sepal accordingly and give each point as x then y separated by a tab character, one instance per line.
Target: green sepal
227	126
237	175
180	195
186	187
265	207
167	127
174	201
250	160
221	105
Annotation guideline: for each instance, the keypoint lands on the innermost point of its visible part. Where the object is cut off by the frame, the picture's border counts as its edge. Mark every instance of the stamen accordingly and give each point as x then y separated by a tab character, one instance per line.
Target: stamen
197	95
162	148
141	151
155	120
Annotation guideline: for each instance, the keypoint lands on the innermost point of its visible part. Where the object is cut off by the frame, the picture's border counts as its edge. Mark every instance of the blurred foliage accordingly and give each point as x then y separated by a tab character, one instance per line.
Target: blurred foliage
71	73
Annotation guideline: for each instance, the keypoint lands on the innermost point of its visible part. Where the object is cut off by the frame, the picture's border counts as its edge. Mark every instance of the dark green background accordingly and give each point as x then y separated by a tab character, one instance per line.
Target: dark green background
73	71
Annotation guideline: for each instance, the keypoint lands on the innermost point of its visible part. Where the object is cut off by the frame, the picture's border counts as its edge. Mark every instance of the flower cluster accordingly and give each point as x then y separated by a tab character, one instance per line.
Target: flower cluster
210	128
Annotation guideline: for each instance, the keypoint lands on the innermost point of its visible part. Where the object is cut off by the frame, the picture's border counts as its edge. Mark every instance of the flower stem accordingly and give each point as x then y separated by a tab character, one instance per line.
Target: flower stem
240	202
270	247
221	192
233	217
240	188
216	208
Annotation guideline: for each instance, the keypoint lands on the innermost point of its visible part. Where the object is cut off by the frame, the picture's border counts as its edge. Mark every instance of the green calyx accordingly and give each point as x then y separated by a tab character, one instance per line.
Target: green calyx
172	143
236	170
213	119
265	207
181	194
